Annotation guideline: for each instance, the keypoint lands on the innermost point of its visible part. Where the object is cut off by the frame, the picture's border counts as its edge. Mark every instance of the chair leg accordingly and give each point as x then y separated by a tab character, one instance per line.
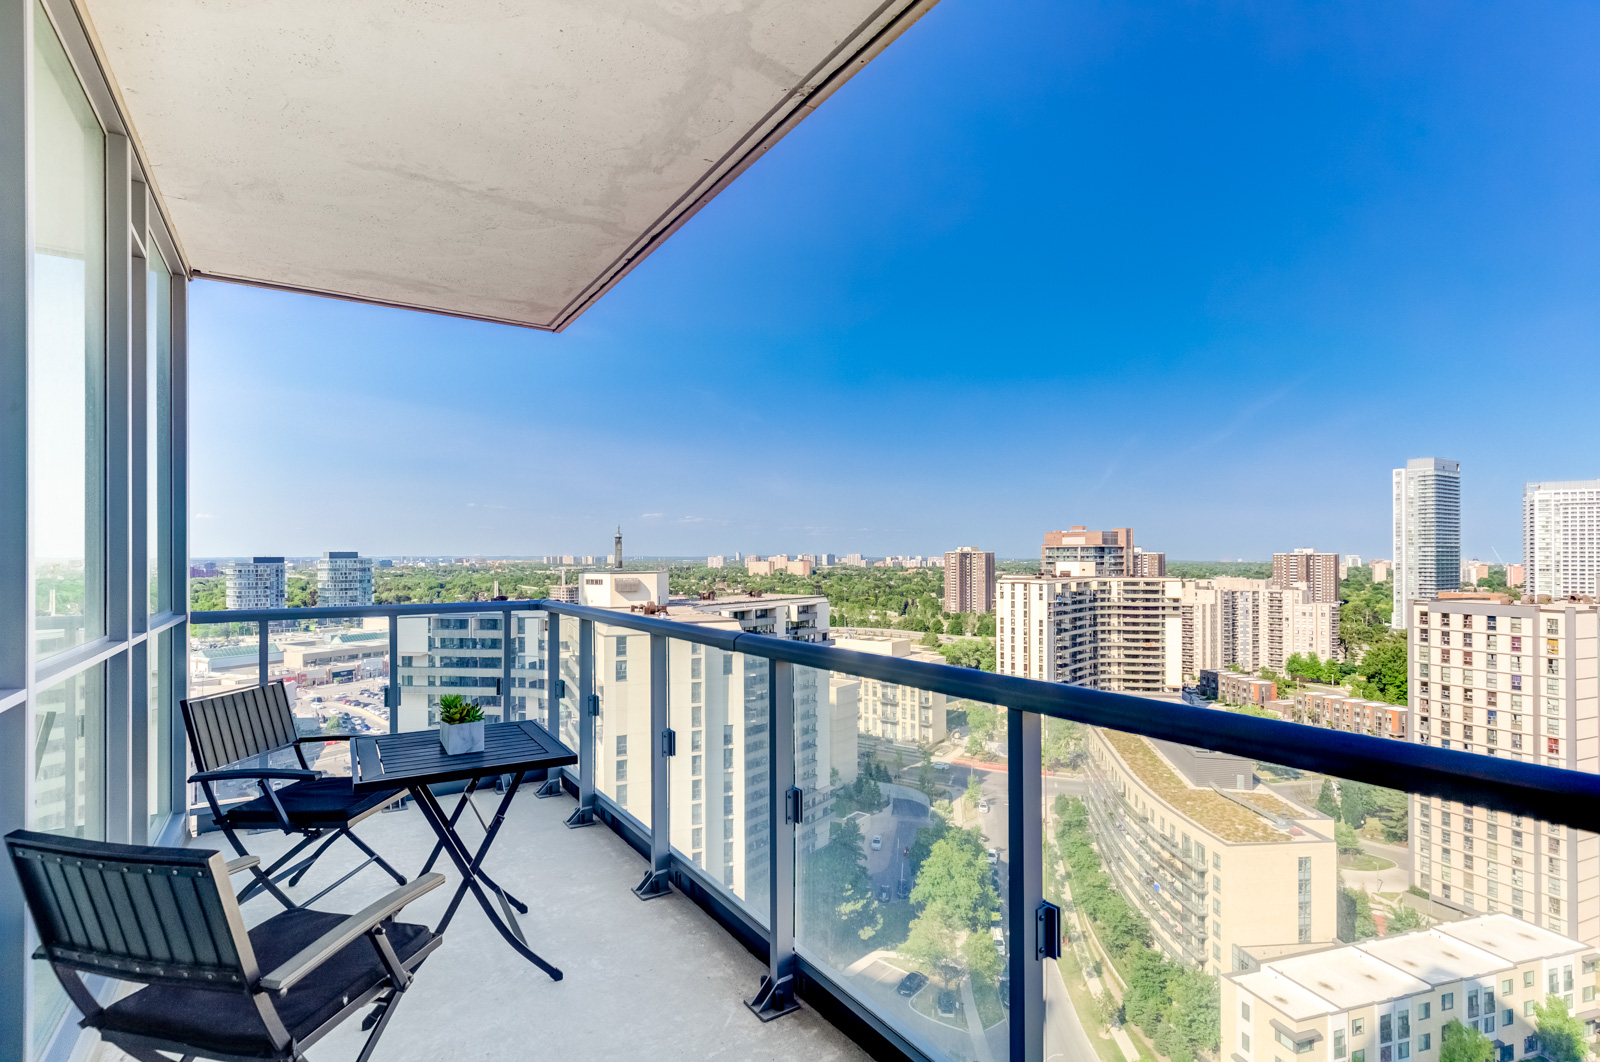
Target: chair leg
374	856
272	871
381	1024
313	857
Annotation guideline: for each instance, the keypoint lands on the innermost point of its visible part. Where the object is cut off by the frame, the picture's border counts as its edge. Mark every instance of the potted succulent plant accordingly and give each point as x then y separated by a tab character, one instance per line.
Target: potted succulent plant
460	725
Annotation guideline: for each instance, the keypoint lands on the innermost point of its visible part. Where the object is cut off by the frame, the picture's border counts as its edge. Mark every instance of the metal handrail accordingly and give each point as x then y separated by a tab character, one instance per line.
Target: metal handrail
1553	794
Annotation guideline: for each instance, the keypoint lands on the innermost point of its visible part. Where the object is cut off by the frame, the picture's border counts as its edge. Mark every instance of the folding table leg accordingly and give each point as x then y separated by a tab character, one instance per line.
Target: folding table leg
470	874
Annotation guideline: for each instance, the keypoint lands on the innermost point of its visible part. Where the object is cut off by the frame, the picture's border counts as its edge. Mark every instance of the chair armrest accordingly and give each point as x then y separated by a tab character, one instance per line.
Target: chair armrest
242	863
314	738
340	936
254	773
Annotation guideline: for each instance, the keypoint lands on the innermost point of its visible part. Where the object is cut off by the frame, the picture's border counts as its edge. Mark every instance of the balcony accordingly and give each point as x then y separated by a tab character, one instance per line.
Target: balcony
662	974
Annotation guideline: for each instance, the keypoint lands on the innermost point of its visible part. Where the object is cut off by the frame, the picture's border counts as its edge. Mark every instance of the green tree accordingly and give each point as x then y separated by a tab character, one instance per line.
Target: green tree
1461	1043
1062	742
931	639
1346	838
1561	1034
934	943
838	894
974	791
1327	801
1355	915
1405	919
956	625
952	883
983	721
982	957
928	780
1357	799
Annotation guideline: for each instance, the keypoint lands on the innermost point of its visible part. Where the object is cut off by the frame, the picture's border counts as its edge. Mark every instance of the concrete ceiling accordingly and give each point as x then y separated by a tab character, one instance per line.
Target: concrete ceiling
503	161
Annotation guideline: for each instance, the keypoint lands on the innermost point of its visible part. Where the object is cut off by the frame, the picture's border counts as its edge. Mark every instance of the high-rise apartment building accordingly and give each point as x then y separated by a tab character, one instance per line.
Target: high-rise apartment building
1107	551
344	580
1147	565
1319	572
1427	532
260	582
1561	537
1260	625
1519	680
904	714
1119	634
1201	610
969	576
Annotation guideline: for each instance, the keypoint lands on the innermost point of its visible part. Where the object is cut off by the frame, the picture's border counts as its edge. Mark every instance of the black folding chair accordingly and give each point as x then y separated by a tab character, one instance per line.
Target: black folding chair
166	918
251	724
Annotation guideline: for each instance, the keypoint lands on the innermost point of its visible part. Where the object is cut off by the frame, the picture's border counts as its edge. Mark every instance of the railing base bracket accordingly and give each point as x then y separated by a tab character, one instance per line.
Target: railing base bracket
773	999
581	817
654	886
551	787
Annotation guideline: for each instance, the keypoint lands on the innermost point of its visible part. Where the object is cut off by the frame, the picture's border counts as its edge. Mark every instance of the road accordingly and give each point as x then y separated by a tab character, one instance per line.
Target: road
1064	1035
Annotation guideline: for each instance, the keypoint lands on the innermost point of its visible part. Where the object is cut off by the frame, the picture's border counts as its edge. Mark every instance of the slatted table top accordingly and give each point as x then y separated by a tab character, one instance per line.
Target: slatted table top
392	761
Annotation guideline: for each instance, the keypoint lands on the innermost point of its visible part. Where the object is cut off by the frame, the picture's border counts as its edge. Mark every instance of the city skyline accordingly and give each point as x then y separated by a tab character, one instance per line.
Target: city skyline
1264	226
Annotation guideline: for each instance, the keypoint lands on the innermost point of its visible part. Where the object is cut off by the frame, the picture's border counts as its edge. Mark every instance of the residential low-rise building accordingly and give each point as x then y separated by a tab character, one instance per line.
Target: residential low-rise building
1212	859
1390	998
1235	688
1335	708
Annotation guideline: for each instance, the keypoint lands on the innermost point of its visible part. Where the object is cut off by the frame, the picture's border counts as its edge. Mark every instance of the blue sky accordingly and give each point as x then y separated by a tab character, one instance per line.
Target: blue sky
1208	270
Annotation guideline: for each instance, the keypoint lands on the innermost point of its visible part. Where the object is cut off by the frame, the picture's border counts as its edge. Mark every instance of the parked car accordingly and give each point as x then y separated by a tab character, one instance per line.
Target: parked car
983	806
911	984
999	939
877	842
994	857
941	765
883	894
947	1004
903	889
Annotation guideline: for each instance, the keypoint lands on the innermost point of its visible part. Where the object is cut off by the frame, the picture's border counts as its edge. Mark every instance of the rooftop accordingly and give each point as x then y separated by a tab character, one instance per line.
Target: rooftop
1348	976
1205	807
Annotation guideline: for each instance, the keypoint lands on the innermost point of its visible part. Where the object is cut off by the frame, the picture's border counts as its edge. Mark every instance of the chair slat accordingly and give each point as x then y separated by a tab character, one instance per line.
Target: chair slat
148	916
94	935
194	922
164	896
94	881
116	885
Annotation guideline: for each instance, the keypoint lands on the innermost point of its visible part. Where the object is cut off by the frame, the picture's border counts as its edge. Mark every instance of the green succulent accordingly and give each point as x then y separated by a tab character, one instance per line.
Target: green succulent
453	709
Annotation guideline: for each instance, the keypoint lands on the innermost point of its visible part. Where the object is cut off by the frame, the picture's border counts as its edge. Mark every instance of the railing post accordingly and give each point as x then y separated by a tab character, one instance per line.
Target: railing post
655	881
587	710
506	644
391	692
776	995
261	652
552	696
1025	887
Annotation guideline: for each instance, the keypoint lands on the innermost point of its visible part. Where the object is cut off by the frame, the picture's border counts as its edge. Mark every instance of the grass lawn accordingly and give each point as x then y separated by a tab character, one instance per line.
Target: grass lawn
990	1012
1363	861
1083	1003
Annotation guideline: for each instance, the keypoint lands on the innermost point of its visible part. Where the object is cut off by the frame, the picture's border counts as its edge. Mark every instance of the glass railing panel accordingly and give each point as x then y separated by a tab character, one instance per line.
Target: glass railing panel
720	790
624	745
902	859
529	693
454	653
1209	896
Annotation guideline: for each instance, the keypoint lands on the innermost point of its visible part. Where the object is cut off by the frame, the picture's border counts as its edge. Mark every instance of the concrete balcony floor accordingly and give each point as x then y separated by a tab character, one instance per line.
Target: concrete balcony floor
657	979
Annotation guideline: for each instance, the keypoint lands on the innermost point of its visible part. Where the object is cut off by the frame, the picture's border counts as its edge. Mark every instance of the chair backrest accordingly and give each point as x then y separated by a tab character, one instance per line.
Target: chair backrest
155	915
239	724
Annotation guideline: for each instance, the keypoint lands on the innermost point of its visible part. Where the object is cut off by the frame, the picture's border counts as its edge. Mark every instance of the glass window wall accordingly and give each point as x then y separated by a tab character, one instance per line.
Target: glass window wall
67	416
158	431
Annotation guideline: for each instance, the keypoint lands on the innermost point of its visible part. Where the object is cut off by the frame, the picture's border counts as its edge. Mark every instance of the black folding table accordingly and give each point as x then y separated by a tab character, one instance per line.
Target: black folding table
416	761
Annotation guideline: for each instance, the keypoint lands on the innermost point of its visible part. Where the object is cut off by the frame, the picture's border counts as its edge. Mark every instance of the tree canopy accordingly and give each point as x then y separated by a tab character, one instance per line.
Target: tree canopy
1561	1034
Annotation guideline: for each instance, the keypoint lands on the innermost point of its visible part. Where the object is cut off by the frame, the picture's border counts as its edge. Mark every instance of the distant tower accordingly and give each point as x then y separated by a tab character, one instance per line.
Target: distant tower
618	563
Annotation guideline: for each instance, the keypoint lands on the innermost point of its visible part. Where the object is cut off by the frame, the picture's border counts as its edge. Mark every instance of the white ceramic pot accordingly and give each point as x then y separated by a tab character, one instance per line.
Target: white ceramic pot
459	739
